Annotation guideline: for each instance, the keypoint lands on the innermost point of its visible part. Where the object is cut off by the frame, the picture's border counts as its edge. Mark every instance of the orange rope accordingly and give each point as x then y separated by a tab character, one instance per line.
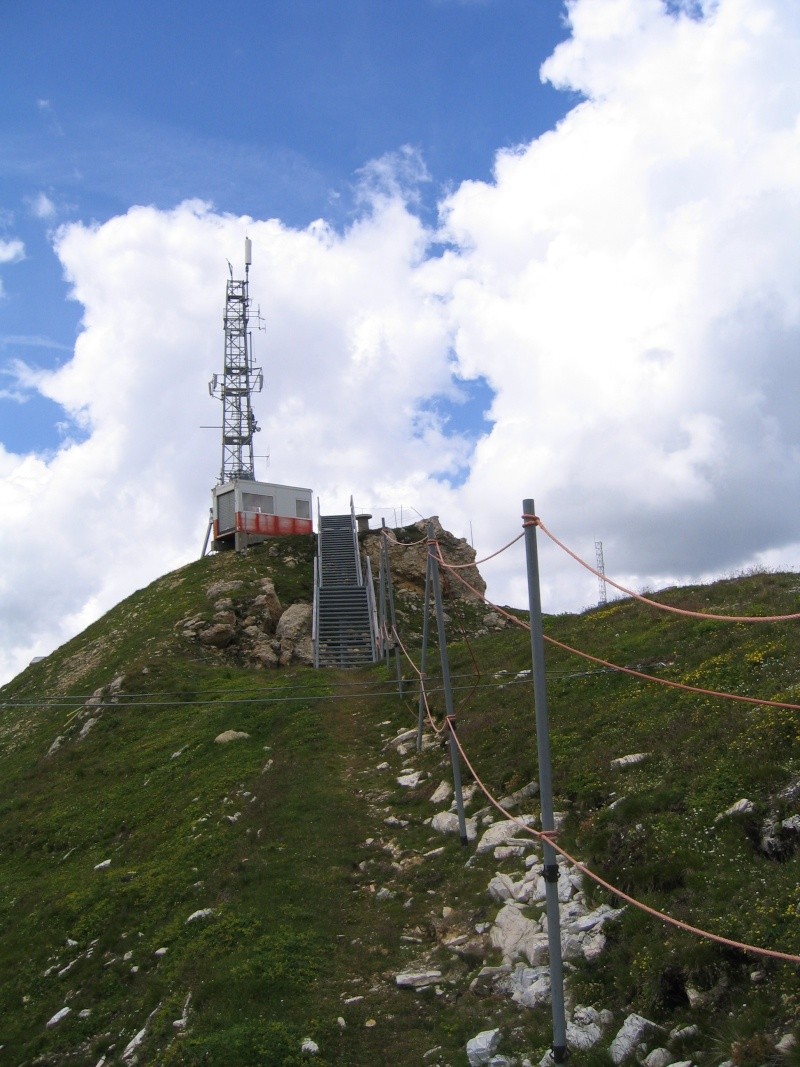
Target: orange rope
667	919
465	566
436	729
534	521
670	684
457	566
387	533
630	670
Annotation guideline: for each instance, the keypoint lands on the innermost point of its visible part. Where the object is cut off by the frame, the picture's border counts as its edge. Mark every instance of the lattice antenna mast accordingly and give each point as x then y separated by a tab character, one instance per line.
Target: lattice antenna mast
601	567
240	380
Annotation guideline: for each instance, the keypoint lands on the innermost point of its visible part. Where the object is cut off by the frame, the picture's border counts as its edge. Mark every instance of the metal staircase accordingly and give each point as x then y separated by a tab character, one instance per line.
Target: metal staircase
344	608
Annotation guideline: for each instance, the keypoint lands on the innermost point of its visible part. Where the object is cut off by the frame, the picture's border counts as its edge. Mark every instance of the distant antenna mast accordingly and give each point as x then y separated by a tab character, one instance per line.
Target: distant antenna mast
601	567
239	381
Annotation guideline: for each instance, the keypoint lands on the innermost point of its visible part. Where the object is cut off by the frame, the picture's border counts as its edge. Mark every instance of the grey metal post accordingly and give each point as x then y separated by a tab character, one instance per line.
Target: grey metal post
315	614
545	789
382	606
392	613
424	661
208	532
448	692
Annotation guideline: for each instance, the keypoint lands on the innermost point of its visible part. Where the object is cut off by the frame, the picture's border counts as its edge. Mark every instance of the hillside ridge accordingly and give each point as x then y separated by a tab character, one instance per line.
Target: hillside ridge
328	901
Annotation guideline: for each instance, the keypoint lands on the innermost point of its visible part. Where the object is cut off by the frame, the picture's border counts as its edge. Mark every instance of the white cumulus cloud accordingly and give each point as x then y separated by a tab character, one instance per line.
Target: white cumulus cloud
11	251
41	206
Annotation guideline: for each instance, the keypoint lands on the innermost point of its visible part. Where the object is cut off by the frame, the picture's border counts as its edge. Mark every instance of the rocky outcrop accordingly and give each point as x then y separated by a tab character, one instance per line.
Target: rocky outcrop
252	629
249	626
85	720
408	557
293	636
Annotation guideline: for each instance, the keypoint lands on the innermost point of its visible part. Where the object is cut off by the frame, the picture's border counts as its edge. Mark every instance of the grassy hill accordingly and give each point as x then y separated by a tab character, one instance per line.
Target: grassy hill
318	878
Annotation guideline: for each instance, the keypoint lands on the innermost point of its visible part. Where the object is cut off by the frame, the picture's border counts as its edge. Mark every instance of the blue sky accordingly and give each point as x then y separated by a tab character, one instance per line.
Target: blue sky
502	249
267	109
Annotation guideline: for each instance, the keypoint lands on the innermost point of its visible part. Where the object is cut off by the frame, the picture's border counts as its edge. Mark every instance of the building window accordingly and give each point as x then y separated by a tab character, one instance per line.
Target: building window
303	509
255	502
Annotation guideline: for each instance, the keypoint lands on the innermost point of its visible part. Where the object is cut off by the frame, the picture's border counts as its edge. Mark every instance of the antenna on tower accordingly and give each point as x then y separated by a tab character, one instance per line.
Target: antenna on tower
239	380
601	567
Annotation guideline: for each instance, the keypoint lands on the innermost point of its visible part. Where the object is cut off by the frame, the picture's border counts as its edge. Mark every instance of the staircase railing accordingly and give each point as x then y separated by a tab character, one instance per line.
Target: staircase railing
355	542
315	608
373	612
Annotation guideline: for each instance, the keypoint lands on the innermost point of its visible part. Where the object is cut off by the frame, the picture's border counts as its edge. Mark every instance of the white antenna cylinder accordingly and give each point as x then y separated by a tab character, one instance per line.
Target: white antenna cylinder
248	251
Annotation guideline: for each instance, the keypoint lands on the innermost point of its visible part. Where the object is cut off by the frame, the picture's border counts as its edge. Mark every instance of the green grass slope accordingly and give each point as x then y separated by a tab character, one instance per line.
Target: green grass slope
318	878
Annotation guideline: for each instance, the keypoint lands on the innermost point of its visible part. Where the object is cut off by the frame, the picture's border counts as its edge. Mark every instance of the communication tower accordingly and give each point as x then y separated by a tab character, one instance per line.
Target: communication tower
243	510
239	381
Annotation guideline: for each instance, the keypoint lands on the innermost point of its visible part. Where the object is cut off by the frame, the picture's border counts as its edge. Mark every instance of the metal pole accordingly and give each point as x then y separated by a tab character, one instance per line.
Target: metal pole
382	605
392	614
448	692
545	787
208	532
424	660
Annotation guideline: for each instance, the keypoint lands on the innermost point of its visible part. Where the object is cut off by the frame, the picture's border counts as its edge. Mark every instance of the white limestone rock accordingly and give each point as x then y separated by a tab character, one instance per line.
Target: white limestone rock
442	793
501	888
684	1033
482	1047
631	760
659	1057
516	798
417	979
593	945
218	589
529	987
491	980
632	1032
202	913
446	822
585	1029
227	736
505	852
56	745
516	936
293	633
499	833
411	780
134	1043
58	1018
87	726
787	1044
401	739
741	807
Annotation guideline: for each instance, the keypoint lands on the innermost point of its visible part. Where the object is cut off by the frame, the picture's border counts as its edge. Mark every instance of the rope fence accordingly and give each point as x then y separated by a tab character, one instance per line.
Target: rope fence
549	836
535	520
668	682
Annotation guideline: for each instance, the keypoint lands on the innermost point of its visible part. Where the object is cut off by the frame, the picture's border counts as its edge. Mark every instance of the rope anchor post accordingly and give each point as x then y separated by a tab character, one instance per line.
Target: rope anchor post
424	659
387	570
559	1050
446	686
